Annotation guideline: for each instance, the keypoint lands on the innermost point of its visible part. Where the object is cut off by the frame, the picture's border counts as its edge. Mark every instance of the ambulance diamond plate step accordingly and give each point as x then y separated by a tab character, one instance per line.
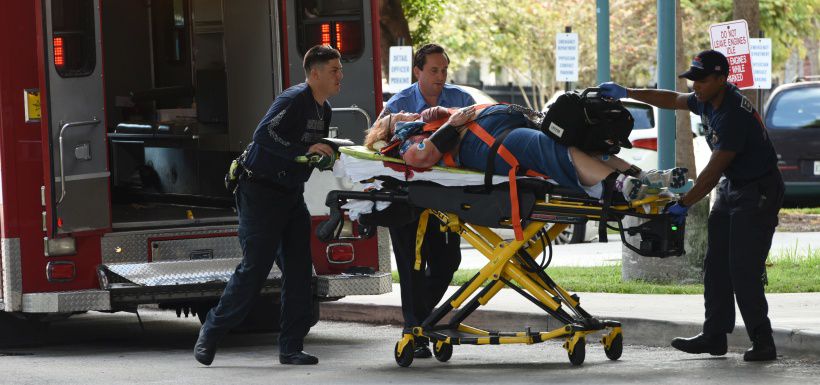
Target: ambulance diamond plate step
173	273
343	285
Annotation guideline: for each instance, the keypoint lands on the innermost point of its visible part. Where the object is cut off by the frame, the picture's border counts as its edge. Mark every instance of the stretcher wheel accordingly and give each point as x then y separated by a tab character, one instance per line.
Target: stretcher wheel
444	352
613	352
406	357
579	352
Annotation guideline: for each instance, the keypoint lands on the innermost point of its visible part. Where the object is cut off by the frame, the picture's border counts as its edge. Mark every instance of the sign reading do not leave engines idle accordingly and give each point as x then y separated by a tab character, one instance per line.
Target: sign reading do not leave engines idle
732	40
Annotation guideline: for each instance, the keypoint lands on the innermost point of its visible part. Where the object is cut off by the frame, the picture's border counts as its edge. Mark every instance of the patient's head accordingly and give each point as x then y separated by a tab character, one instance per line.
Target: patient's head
383	129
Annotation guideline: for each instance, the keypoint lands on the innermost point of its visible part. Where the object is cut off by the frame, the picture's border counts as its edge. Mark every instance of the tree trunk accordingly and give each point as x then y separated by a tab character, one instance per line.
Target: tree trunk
749	10
811	65
684	150
394	29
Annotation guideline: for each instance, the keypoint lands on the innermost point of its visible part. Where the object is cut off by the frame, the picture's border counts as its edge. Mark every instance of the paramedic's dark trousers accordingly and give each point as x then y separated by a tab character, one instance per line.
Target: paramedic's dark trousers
274	226
422	290
741	226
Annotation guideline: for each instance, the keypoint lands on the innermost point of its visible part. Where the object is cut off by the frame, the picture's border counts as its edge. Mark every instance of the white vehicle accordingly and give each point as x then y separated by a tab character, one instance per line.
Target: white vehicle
644	137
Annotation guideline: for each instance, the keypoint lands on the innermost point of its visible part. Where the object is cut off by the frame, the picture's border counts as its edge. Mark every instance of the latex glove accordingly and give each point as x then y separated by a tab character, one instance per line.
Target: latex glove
678	213
612	90
321	161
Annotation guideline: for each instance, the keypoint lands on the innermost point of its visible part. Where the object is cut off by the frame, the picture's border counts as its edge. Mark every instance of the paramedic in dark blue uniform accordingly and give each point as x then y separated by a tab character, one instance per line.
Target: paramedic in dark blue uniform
274	223
743	220
422	290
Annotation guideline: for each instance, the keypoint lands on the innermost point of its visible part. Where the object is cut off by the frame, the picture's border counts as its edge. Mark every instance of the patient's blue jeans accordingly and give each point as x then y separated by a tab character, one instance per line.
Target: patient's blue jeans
533	149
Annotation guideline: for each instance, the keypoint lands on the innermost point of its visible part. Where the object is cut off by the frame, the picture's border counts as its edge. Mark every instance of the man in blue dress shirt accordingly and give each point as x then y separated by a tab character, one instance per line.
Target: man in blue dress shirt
422	290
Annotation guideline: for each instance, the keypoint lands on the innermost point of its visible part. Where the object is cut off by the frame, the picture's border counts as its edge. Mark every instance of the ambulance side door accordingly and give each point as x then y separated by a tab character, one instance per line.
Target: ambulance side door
76	193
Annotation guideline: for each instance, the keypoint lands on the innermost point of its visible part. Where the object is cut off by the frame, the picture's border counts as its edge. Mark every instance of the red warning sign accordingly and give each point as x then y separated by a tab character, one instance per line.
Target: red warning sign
732	39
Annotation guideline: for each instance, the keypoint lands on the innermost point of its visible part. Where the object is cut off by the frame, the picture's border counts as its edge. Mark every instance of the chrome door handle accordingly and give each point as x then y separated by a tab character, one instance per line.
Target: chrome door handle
64	127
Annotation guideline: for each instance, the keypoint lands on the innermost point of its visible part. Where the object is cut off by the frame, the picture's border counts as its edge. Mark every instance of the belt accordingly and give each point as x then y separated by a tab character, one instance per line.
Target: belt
739	183
263	180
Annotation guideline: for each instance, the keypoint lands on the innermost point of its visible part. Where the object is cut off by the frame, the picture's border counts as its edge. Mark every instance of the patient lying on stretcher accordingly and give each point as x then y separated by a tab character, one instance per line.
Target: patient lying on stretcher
459	138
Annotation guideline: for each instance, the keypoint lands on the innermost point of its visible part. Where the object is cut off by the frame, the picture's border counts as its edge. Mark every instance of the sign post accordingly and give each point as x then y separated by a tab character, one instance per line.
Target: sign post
732	39
566	57
401	68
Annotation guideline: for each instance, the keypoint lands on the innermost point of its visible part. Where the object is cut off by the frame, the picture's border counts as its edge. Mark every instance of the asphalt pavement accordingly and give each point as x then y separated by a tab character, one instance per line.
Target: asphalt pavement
97	348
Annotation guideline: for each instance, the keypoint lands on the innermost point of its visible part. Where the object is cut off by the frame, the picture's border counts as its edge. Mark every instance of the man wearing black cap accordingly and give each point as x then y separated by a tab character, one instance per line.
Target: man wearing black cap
742	221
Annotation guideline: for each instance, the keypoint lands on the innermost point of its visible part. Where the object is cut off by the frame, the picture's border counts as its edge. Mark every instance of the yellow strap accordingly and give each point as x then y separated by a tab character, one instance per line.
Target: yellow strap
420	237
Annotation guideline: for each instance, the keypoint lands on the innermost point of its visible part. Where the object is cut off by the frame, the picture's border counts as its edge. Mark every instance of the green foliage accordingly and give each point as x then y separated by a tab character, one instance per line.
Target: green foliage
517	37
421	15
786	22
801	211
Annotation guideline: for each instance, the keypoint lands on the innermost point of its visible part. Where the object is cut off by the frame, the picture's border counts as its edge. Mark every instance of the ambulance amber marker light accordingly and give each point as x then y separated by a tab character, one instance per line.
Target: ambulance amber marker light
59	58
339	37
326	34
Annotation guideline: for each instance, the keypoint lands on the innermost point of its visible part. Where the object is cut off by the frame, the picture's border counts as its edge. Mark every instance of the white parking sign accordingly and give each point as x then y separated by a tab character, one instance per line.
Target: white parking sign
761	50
401	67
566	57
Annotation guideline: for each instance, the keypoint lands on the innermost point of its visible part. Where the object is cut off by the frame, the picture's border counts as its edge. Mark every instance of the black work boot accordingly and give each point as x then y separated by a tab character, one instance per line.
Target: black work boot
702	343
297	358
762	349
205	348
422	348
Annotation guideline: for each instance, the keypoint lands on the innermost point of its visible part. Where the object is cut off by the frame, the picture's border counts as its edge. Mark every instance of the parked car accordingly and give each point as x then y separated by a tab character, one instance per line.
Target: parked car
793	120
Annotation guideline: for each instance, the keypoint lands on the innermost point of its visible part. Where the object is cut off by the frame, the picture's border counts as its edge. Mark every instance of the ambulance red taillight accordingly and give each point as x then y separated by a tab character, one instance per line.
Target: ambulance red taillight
59	52
340	253
60	271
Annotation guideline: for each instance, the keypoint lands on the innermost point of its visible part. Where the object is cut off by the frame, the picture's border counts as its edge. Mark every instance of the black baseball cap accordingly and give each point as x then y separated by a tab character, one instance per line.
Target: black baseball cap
706	63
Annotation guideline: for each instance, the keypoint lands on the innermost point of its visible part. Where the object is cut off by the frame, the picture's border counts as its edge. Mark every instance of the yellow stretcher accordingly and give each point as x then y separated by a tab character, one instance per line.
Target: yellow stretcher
473	212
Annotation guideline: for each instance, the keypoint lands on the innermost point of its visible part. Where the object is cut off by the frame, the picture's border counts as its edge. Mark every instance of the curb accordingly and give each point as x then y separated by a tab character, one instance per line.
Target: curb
792	343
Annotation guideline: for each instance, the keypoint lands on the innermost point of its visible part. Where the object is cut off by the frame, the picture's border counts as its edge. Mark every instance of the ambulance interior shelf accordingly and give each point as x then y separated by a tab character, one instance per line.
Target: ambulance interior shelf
166	163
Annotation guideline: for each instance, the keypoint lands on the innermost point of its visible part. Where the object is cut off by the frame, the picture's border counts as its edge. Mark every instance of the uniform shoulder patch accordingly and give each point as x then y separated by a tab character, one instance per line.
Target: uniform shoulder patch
745	104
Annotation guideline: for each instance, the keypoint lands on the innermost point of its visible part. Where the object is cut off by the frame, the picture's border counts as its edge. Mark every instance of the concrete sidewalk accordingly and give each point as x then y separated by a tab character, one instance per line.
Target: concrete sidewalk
651	320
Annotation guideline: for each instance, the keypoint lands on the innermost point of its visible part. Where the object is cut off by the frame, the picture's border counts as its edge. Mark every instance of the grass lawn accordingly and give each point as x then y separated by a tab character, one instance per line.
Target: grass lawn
801	211
789	272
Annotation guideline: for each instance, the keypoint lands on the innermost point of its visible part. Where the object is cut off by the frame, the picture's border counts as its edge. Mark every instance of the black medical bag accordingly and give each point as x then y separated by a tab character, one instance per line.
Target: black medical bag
588	121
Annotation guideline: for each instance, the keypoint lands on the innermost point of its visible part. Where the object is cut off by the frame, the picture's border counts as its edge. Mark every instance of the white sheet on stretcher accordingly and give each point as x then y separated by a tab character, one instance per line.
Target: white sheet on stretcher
356	170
